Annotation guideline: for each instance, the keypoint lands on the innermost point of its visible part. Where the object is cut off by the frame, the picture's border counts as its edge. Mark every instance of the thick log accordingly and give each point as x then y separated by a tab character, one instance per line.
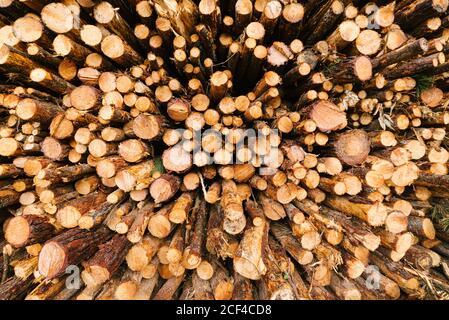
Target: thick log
136	176
353	147
192	255
140	223
327	116
106	261
243	288
415	66
274	285
34	110
164	188
159	224
69	248
355	229
168	289
371	212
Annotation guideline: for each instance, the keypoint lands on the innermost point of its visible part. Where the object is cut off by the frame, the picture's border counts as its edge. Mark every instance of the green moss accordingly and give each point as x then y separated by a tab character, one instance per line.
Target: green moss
158	166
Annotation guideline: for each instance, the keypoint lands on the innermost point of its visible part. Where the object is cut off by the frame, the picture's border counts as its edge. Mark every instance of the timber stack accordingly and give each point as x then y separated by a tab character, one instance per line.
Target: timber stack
207	149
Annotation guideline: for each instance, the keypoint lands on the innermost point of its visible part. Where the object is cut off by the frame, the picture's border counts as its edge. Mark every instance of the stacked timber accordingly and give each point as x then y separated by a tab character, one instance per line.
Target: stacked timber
206	149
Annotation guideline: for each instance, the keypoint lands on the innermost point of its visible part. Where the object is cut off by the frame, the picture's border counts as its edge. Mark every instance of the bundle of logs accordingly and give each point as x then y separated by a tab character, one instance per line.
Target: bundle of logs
128	169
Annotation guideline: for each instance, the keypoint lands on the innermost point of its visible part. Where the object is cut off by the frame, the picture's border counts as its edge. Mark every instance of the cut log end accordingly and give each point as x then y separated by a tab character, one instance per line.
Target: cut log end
17	231
363	68
51	260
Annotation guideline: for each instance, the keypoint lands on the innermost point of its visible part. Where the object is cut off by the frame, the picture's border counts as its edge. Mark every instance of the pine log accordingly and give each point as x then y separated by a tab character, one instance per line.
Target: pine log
69	248
106	261
25	230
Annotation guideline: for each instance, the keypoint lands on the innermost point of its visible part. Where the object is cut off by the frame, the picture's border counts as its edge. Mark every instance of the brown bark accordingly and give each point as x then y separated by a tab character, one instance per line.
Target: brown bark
403	53
346	32
201	288
354	229
47	290
356	69
422	227
415	66
290	244
168	289
344	288
35	110
140	223
273	284
373	213
8	197
105	14
255	212
231	201
192	256
411	15
323	21
218	241
419	257
106	261
15	288
181	208
243	288
250	255
396	272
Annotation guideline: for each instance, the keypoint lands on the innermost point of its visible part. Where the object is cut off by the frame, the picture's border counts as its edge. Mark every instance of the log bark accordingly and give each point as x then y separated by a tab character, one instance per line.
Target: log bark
192	256
353	147
106	261
249	258
15	288
164	188
218	241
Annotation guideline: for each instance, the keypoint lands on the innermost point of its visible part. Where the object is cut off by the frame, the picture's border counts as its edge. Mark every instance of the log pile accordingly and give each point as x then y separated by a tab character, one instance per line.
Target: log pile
206	149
